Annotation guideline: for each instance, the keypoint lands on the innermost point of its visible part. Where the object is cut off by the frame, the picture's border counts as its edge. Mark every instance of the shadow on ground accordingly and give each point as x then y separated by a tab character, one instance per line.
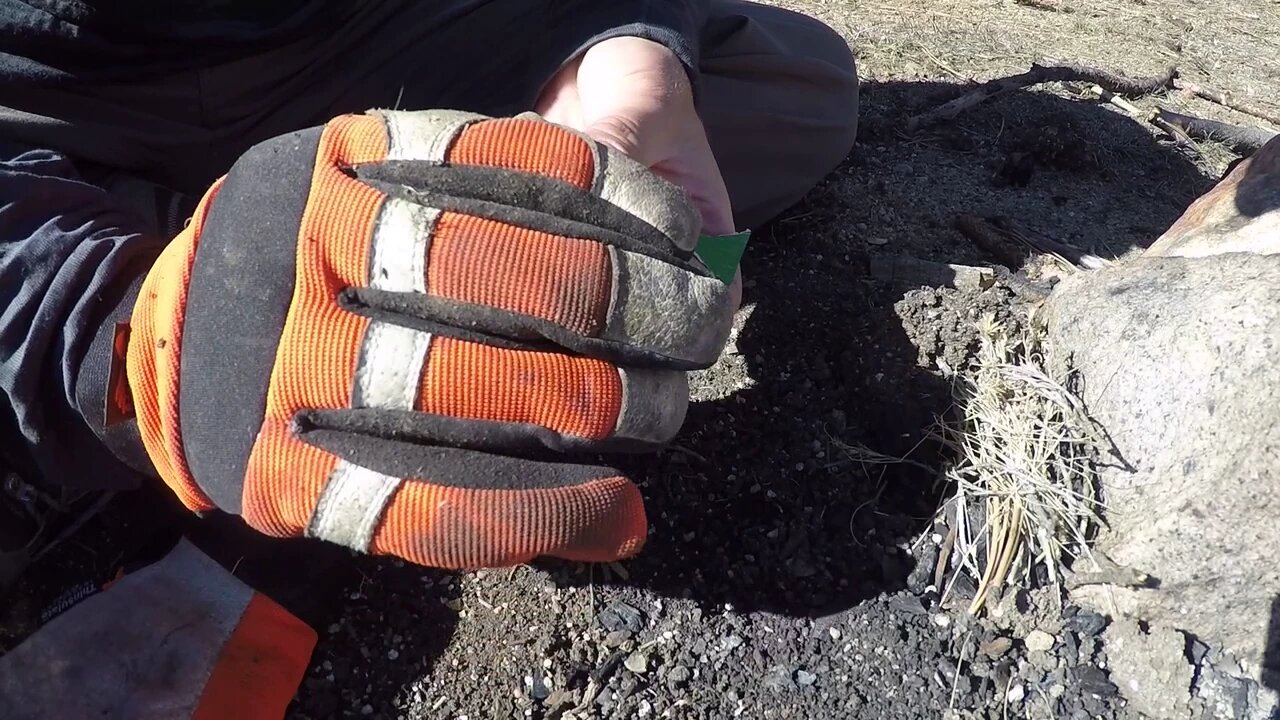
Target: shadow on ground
761	507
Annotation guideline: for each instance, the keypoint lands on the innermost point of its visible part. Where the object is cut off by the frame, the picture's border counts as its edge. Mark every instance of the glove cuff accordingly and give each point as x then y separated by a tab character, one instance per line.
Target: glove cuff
154	354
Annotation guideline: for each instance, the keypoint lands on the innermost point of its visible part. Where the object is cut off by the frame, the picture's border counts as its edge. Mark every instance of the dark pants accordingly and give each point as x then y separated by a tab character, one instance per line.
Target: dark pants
779	97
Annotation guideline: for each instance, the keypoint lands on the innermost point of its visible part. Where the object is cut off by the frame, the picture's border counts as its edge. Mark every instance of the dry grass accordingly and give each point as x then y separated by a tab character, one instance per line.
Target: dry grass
1228	45
1024	477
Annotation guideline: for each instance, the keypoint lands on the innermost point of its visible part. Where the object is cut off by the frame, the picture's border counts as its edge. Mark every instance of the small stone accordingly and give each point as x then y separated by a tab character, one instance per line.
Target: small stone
877	241
1016	693
1094	681
1038	641
834	633
637	662
777	678
996	648
334	628
644	708
941	620
1085	622
679	675
729	642
617	638
805	678
538	687
1057	690
620	616
366	709
393	654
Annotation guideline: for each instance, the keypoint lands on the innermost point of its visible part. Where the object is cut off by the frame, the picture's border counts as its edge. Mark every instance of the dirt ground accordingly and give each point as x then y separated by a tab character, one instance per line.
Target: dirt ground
787	574
780	580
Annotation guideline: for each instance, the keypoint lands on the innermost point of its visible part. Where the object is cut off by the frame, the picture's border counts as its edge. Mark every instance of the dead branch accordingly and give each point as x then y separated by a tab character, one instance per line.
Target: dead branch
1226	100
906	271
1043	73
1243	140
1065	253
990	240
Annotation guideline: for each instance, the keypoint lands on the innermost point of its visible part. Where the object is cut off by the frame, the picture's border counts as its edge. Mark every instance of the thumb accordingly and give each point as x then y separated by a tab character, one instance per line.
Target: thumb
622	132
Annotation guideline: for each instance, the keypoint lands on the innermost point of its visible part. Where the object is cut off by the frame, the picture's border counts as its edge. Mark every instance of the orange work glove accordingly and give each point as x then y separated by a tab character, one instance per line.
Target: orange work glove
389	331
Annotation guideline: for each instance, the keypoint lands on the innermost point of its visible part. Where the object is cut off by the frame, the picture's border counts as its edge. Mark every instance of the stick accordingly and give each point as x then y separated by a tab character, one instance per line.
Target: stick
1042	73
990	240
1048	7
1225	100
904	271
1065	253
1180	138
1244	140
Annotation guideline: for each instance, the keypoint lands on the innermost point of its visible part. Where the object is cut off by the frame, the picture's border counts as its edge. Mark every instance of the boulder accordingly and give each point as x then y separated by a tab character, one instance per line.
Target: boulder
1178	357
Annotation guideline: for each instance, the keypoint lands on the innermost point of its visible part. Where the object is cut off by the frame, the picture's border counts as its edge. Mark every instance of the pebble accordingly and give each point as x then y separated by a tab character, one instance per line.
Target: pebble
366	709
834	633
1057	690
997	647
617	638
805	678
1085	622
637	662
1094	681
777	678
393	654
679	675
1016	693
877	241
1039	641
620	616
729	642
941	620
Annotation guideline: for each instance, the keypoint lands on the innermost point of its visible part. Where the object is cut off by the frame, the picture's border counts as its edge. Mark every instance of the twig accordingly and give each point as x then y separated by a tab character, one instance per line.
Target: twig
940	572
906	271
990	240
955	679
1043	73
1048	7
1064	252
1243	140
1225	100
1180	138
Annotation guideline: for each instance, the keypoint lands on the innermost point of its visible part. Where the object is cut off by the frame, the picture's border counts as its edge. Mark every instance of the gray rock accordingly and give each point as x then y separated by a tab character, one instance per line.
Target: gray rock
1039	641
617	638
1085	622
1090	680
1150	669
1237	216
777	678
805	678
679	675
1181	359
1227	695
618	615
637	662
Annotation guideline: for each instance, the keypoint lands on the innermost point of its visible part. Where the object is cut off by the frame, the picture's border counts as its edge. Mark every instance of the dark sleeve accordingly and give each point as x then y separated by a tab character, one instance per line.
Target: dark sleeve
674	23
70	264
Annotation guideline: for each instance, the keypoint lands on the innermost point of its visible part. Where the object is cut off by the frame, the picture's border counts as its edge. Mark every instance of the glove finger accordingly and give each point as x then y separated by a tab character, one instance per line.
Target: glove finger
446	507
529	144
552	399
522	283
